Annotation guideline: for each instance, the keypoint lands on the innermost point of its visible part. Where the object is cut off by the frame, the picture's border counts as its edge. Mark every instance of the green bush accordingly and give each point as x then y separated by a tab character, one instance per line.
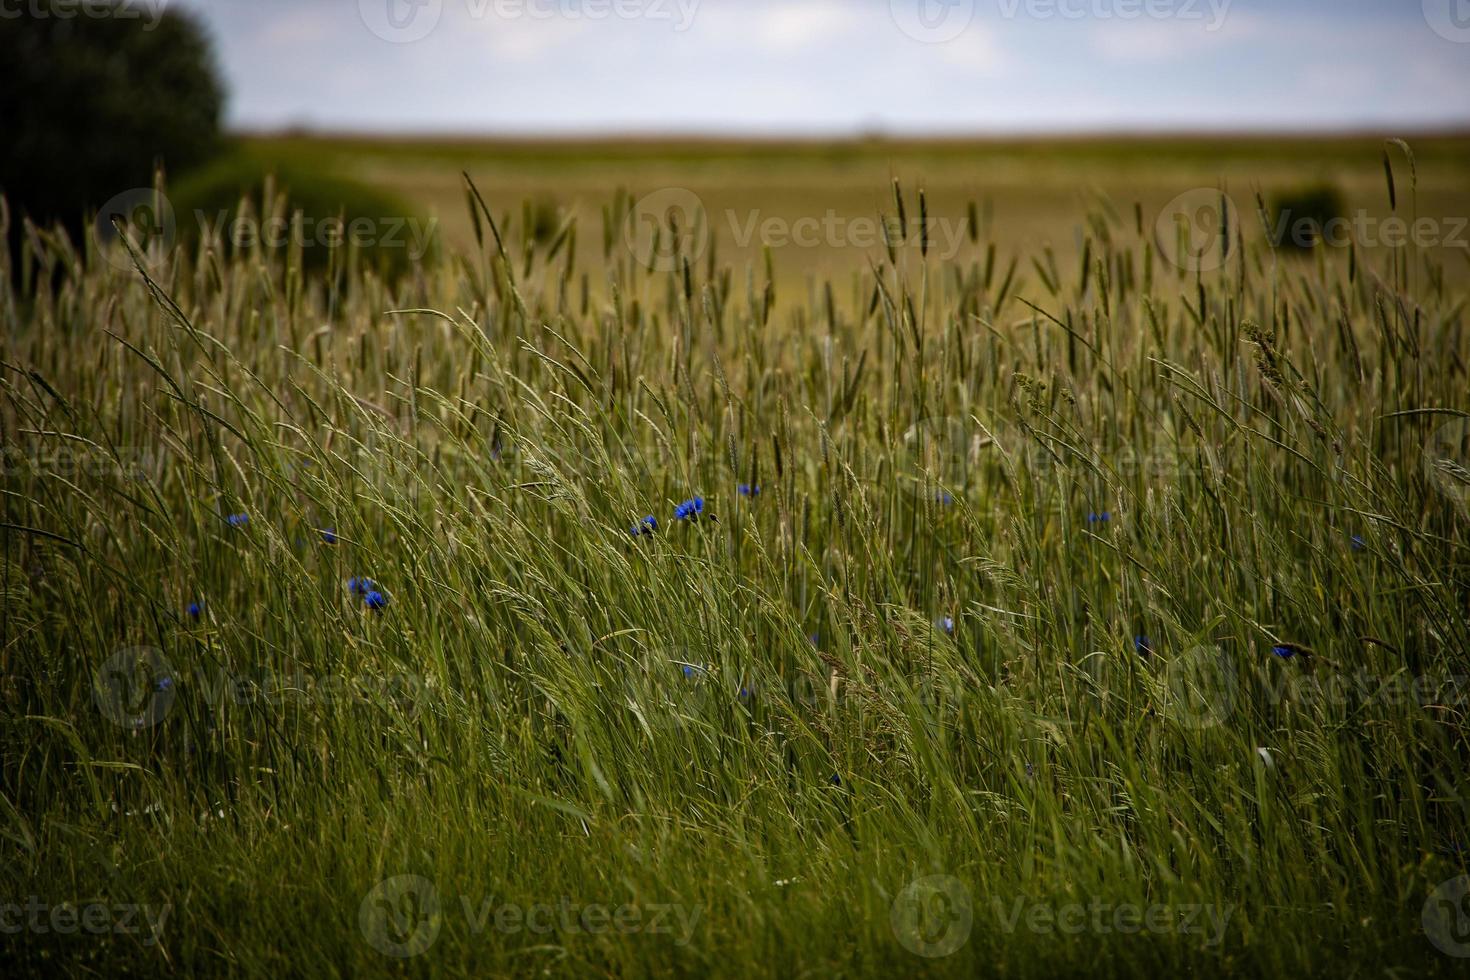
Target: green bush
1300	217
246	204
91	104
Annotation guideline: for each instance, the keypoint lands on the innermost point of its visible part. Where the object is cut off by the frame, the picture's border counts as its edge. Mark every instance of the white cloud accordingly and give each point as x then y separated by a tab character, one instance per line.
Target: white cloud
978	52
1153	41
797	25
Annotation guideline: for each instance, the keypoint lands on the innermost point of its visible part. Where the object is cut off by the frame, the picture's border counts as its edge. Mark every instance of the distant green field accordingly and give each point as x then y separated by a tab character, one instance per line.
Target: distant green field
1029	193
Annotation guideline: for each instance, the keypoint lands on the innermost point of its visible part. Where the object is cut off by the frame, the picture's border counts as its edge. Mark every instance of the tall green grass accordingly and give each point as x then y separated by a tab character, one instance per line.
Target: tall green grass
761	718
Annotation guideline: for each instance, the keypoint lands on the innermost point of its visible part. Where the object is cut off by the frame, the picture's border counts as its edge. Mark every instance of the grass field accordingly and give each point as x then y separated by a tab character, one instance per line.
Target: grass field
1029	194
1102	611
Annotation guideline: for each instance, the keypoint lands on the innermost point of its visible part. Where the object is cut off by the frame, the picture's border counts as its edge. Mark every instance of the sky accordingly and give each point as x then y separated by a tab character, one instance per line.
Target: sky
840	67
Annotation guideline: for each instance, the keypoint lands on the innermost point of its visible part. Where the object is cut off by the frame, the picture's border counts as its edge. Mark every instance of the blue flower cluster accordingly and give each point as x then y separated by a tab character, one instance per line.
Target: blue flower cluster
690	509
372	598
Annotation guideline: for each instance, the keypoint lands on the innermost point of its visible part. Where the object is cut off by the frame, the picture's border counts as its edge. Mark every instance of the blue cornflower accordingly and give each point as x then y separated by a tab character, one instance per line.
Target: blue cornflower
238	520
816	639
690	508
945	623
164	684
375	600
1101	518
329	535
1285	651
749	489
193	609
836	780
1142	644
360	586
648	525
943	497
745	694
1357	543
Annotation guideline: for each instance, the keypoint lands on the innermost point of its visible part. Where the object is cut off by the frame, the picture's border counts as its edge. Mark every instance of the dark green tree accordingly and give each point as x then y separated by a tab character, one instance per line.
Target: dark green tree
89	104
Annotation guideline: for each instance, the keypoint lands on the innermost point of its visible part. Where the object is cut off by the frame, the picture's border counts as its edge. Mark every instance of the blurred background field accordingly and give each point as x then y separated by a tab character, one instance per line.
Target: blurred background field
1029	193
